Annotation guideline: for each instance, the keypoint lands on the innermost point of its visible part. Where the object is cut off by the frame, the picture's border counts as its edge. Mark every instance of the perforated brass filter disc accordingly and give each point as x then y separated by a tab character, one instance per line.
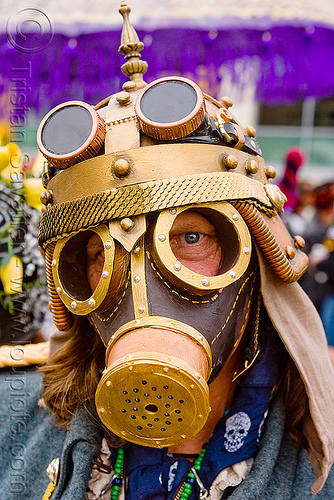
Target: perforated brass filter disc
153	401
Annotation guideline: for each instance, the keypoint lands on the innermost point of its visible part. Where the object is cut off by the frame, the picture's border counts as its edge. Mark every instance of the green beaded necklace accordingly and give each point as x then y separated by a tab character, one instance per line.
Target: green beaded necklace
192	477
117	481
185	490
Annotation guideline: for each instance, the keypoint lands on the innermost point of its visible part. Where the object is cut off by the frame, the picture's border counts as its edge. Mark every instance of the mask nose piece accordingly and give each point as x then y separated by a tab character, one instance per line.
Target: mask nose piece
155	395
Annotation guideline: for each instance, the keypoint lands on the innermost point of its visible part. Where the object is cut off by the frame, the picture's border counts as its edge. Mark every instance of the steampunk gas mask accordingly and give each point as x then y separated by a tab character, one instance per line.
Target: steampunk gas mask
153	201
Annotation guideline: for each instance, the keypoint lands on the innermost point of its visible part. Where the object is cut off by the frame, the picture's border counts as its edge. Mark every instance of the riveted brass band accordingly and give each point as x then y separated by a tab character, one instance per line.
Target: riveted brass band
288	271
138	281
61	220
146	164
61	316
179	273
164	324
83	307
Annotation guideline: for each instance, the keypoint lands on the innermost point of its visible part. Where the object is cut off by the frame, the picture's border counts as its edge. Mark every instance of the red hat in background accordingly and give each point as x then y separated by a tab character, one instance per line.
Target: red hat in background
295	157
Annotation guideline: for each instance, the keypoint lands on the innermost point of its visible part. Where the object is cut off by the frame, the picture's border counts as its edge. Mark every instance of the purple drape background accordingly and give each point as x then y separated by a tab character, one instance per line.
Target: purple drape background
291	62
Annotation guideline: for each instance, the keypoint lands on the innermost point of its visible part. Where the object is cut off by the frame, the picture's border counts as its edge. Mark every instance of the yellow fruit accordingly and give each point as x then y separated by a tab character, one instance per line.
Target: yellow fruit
4	157
11	276
32	189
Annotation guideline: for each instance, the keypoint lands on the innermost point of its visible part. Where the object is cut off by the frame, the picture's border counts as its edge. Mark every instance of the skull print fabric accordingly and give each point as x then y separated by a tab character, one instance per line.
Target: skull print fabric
237	427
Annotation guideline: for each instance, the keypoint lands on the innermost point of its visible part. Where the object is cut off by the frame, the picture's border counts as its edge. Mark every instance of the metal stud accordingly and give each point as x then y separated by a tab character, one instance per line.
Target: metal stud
177	267
136	249
49	196
226	101
53	263
121	167
205	282
232	274
299	242
105	274
172	211
270	172
73	305
235	216
246	250
107	245
137	279
141	309
127	224
91	302
161	237
251	166
290	252
58	290
123	98
229	161
43	197
250	131
129	86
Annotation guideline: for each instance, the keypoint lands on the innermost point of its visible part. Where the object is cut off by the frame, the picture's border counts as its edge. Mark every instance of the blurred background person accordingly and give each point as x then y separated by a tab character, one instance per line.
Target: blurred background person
299	208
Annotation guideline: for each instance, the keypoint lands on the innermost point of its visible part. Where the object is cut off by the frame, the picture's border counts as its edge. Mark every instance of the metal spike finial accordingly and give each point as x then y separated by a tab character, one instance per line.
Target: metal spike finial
131	47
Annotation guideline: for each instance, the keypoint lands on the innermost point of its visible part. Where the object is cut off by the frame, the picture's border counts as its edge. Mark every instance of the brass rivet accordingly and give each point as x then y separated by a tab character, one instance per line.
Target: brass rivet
123	98
251	166
290	252
270	172
227	101
299	242
121	167
127	224
129	86
49	196
108	383
44	197
250	131
229	161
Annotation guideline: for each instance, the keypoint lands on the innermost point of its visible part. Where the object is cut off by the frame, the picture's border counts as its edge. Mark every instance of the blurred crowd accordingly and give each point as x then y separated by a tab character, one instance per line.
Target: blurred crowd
309	212
24	313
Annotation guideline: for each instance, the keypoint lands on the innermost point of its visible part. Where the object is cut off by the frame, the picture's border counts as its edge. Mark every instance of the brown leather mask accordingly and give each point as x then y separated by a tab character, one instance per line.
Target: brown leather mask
168	329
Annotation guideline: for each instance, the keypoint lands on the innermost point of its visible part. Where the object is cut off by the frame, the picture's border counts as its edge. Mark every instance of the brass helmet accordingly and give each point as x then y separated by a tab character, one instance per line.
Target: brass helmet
122	172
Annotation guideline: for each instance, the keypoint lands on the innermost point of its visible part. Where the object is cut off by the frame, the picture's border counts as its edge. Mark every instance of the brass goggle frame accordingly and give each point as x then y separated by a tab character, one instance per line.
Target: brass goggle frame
179	274
73	304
